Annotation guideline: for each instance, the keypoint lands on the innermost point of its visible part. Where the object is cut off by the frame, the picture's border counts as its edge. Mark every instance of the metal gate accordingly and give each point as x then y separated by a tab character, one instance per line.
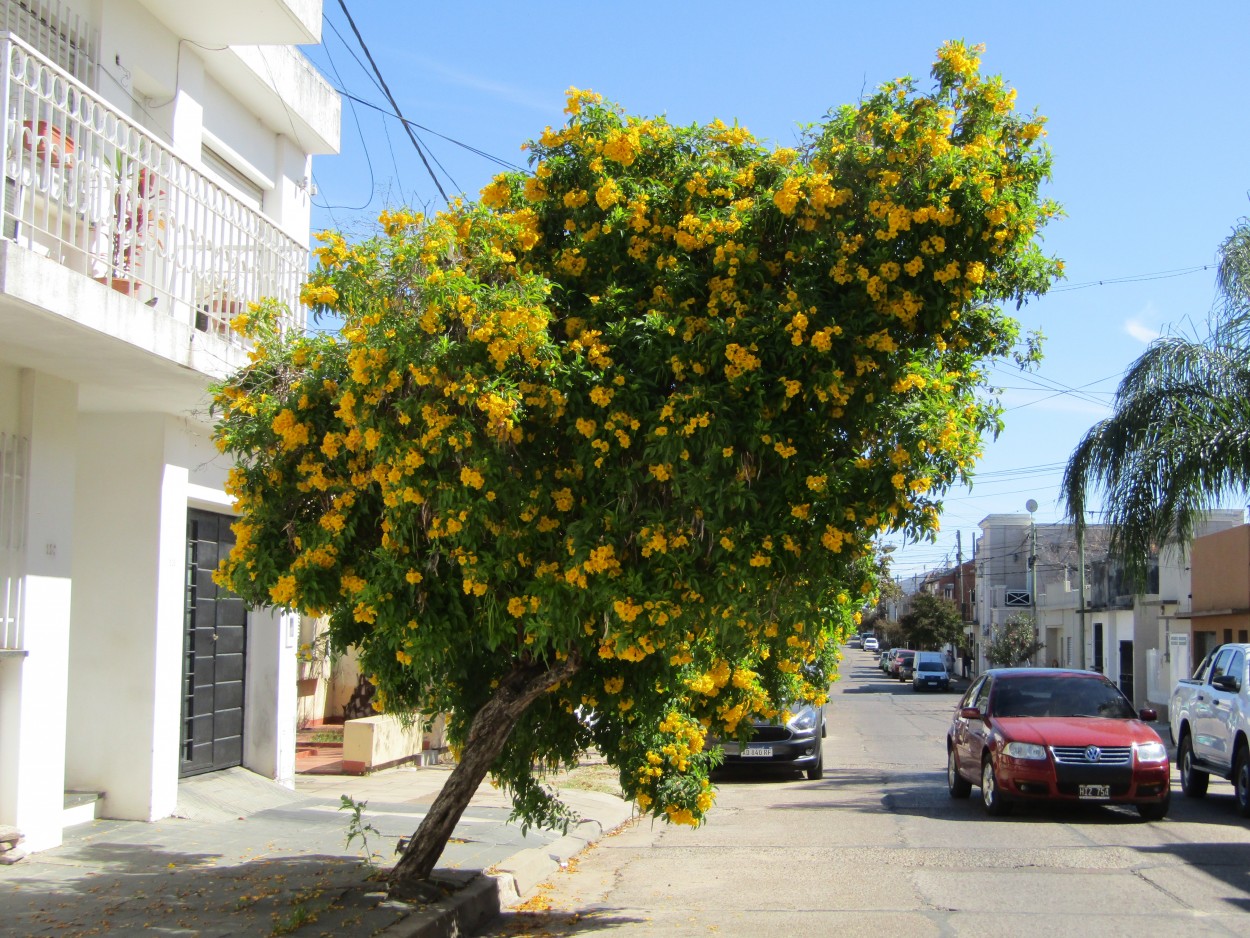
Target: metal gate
213	644
1126	670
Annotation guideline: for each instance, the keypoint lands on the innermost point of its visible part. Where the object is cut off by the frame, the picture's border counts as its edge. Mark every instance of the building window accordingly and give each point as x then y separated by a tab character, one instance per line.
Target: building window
242	186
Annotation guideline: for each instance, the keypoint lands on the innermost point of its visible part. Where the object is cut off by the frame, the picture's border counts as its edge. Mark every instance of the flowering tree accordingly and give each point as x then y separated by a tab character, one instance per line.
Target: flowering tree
619	437
1014	642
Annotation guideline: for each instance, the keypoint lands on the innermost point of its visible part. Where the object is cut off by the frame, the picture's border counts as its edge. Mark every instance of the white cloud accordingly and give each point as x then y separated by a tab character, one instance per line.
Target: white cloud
512	93
1144	327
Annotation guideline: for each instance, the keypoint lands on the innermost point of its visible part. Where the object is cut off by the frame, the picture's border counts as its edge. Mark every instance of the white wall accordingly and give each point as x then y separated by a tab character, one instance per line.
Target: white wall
113	658
33	699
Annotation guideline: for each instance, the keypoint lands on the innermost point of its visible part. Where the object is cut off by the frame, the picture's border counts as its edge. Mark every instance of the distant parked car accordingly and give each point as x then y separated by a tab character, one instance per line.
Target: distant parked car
791	741
929	671
896	655
1059	735
905	665
883	662
870	644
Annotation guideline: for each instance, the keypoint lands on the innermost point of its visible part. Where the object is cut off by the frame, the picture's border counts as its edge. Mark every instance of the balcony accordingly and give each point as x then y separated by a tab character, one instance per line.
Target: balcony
234	22
87	189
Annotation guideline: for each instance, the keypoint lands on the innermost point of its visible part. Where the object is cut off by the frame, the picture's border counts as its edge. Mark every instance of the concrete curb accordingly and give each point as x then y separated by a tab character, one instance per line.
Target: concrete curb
504	885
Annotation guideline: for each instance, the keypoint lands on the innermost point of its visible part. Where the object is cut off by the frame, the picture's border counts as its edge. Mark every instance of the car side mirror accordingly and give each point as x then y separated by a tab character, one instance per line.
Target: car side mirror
1148	715
1227	682
970	713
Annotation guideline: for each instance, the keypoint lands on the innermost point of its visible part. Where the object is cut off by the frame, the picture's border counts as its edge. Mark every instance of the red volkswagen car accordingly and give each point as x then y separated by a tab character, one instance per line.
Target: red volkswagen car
1026	734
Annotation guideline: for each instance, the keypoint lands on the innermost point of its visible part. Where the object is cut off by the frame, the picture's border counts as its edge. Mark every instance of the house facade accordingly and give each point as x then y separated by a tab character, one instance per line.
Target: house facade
157	167
1138	639
1219	607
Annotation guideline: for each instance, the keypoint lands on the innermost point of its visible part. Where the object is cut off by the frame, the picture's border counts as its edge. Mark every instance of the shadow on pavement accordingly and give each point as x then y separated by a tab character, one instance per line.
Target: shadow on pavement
923	794
144	888
553	923
1229	863
888	686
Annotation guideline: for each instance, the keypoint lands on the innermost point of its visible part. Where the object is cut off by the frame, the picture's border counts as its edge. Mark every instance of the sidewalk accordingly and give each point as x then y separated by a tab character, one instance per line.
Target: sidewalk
249	857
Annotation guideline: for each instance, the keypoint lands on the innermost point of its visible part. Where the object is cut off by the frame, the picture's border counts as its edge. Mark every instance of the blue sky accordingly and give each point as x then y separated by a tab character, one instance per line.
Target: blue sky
1149	123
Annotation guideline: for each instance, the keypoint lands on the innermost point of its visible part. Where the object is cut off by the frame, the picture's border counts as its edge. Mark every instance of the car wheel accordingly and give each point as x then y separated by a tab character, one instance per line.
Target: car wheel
956	784
1241	781
817	771
1154	810
1193	781
991	798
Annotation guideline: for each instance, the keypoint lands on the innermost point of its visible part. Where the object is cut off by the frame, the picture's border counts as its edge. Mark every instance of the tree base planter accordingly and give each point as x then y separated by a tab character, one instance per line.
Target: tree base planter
379	742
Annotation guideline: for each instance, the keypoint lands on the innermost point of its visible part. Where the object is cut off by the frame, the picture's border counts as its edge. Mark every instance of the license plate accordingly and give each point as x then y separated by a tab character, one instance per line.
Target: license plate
1093	791
757	752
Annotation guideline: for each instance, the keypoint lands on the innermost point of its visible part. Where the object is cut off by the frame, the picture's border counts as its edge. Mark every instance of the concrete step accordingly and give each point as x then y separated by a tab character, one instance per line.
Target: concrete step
81	807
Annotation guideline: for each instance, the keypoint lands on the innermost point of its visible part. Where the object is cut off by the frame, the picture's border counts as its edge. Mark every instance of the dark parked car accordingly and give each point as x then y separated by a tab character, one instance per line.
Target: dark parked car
905	666
791	741
1026	734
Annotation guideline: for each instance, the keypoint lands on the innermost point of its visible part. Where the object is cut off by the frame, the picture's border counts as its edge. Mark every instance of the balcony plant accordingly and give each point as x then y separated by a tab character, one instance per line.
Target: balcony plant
219	307
136	193
50	143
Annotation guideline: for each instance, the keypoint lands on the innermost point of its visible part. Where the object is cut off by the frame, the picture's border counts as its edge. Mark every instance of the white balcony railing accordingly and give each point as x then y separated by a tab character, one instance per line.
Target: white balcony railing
13	486
99	194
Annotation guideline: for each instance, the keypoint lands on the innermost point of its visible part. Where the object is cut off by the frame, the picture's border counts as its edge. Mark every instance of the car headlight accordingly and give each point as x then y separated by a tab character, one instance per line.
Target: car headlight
804	719
1025	751
1151	752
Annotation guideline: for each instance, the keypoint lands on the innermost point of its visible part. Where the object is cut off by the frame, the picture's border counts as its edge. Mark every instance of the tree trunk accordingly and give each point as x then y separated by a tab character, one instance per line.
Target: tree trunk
490	730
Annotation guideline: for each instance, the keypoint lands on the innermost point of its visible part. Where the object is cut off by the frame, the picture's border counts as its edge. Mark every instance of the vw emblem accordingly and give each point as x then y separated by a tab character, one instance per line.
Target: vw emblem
1092	753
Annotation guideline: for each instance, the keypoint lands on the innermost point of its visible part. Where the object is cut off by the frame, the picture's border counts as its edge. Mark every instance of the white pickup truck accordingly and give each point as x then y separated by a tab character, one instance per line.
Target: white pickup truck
1210	722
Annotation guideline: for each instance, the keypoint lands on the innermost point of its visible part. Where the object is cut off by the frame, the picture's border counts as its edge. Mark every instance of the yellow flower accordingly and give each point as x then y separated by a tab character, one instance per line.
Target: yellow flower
283	591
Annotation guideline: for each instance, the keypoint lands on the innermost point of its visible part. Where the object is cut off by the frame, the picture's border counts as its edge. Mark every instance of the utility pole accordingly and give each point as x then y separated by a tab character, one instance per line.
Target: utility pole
1080	560
1031	506
959	575
962	648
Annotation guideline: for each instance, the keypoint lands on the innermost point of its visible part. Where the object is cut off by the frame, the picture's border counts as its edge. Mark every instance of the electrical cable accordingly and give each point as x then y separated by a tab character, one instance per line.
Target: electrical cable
363	144
390	97
472	149
1133	278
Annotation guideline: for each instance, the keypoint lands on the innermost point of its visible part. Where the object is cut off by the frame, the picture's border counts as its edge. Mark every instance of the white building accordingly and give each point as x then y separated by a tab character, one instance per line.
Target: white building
1036	570
157	165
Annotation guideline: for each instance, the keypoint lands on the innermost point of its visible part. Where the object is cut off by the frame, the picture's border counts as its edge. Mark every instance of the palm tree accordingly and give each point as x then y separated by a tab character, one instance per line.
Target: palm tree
1178	440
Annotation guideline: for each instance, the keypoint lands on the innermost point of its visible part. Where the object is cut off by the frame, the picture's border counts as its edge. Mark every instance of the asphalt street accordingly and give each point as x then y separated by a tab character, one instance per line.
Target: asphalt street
878	846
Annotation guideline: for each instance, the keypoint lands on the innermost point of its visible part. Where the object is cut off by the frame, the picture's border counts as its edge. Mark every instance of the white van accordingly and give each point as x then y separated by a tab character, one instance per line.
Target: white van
929	671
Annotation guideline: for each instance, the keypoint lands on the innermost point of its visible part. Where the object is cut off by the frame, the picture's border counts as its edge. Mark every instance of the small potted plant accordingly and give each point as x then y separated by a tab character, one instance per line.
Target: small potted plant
135	195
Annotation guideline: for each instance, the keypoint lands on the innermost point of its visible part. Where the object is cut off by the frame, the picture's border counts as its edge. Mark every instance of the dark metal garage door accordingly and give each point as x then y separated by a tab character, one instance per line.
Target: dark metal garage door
213	643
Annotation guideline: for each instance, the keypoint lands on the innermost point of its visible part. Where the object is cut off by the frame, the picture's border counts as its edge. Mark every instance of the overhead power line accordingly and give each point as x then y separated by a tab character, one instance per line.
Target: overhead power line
390	97
1133	278
472	149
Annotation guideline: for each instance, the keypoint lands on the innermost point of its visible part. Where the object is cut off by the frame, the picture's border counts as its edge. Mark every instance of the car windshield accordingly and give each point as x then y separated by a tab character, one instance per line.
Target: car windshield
931	666
1059	697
